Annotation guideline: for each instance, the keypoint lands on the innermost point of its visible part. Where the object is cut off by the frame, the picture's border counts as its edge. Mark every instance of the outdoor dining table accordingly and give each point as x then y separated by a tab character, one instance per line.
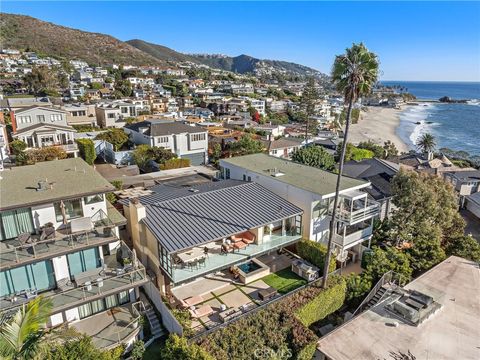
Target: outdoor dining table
191	255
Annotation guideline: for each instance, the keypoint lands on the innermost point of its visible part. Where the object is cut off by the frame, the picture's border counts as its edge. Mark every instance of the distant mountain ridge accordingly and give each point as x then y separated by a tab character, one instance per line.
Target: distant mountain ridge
28	33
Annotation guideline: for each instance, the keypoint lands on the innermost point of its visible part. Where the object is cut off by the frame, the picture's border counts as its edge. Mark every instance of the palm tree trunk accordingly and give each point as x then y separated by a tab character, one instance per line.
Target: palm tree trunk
337	190
306	131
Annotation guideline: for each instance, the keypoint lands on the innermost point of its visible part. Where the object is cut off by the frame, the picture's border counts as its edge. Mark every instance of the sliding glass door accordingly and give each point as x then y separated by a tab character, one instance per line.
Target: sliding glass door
15	222
83	260
39	276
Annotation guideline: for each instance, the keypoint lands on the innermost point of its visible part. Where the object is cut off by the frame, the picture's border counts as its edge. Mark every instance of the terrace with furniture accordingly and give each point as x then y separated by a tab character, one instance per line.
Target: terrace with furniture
79	233
118	271
218	298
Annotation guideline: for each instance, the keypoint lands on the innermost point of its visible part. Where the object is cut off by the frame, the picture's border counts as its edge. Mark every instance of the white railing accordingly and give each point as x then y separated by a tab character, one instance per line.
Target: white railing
353	237
345	215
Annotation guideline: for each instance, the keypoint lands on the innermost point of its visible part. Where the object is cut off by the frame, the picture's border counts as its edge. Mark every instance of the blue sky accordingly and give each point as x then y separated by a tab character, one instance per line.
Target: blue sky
414	40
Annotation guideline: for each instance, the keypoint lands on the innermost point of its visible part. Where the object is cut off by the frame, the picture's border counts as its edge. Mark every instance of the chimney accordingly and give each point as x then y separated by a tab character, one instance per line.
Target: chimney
430	155
43	185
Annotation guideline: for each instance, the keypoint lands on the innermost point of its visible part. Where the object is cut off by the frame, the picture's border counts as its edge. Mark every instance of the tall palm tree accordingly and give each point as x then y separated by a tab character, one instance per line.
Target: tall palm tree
354	74
426	143
24	337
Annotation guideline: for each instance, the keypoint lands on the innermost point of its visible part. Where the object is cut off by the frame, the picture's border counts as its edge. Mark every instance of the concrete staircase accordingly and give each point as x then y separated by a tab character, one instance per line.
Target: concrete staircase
156	326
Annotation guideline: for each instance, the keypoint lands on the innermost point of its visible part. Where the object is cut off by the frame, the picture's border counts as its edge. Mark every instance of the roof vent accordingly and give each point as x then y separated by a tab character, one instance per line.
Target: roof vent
43	185
275	172
193	190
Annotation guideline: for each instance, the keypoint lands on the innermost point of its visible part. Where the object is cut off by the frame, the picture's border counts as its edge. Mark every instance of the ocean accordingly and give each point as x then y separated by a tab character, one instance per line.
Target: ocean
455	126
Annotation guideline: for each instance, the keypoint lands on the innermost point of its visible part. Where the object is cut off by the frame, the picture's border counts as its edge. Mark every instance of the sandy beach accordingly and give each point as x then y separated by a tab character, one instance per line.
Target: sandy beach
378	124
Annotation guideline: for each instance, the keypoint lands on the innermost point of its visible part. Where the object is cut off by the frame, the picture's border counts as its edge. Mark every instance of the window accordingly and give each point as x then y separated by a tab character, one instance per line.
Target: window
244	177
249	178
124	110
83	260
163	139
227	173
39	276
73	209
111	115
93	199
319	209
24	119
15	222
198	137
40	118
55	117
100	305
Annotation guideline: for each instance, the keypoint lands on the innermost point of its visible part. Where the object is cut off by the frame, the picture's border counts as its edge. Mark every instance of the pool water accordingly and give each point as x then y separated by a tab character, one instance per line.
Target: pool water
249	267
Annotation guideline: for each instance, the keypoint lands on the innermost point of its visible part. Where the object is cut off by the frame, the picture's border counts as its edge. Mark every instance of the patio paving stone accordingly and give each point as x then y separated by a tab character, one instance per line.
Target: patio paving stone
252	289
235	299
224	290
213	319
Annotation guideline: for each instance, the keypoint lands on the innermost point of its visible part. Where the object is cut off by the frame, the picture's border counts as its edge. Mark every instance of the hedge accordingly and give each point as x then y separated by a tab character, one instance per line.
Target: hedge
314	253
175	164
87	150
326	302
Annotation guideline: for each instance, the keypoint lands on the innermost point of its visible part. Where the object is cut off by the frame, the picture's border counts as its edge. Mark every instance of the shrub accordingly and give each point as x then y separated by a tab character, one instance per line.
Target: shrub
116	137
315	156
177	347
183	318
33	156
326	302
86	148
357	287
17	146
138	348
314	253
118	184
175	164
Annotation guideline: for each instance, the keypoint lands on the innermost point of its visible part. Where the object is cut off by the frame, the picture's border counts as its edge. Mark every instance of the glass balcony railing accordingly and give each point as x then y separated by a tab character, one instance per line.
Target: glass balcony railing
110	279
217	261
353	215
14	253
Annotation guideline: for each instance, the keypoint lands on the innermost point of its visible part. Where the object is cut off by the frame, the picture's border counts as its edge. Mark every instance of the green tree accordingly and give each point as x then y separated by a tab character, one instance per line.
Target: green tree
464	246
116	137
42	80
315	156
177	347
308	101
246	145
86	147
426	143
25	335
82	347
18	146
142	156
390	149
382	261
354	74
216	154
357	288
378	150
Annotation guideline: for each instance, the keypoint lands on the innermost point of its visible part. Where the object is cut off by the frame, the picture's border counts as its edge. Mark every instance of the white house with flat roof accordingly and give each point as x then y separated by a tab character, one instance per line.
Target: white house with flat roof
436	316
313	190
59	238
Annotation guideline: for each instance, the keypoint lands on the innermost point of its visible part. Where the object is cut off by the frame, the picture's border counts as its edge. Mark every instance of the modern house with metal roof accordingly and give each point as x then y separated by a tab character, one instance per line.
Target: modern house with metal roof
184	233
313	190
59	238
188	142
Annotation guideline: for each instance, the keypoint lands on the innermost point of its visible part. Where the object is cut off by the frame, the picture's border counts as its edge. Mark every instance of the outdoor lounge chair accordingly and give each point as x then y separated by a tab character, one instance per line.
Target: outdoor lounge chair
202	311
191	301
239	245
247	237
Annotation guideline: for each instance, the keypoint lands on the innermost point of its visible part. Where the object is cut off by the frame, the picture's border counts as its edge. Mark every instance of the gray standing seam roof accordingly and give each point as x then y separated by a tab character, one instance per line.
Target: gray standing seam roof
194	220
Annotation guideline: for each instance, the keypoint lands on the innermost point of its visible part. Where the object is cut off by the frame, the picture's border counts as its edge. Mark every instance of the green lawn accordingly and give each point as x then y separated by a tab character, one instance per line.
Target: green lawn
154	351
284	281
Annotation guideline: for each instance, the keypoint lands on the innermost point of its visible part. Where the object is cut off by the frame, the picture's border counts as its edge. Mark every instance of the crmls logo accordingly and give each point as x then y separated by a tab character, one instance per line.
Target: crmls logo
267	353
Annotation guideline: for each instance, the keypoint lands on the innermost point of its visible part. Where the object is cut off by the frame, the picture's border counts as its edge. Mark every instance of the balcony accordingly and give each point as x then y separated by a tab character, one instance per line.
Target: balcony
13	254
351	235
112	327
216	261
355	207
110	279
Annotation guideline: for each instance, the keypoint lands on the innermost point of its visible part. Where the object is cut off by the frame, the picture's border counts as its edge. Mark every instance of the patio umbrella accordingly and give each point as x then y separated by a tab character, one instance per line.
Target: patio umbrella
64	214
134	259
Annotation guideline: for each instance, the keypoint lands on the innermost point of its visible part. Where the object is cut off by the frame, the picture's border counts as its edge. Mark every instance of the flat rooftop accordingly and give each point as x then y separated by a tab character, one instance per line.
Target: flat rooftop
453	332
66	179
302	176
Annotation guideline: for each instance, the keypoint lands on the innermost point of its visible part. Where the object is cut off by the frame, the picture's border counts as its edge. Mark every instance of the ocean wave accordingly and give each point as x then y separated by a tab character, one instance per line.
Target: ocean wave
475	102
